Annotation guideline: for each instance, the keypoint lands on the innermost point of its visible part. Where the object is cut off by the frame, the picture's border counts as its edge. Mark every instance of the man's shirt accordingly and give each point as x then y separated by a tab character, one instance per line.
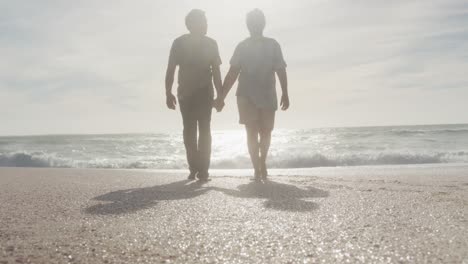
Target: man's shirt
195	56
258	60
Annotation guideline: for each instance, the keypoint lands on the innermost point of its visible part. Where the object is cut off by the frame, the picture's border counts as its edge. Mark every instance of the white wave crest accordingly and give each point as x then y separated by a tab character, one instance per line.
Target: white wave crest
35	159
40	159
320	160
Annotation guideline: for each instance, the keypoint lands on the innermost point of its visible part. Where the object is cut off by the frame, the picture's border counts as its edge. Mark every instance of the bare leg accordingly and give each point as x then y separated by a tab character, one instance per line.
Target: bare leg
265	140
253	145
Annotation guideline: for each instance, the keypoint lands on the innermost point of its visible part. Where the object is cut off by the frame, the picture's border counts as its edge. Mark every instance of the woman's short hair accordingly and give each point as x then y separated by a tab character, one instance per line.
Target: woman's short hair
256	20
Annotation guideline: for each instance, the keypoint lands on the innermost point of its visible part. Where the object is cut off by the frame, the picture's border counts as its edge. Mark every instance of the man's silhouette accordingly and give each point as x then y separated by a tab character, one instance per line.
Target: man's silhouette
198	59
255	62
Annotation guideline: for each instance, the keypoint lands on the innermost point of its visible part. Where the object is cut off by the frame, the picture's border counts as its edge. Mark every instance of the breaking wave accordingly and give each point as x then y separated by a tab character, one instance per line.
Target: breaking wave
40	159
35	159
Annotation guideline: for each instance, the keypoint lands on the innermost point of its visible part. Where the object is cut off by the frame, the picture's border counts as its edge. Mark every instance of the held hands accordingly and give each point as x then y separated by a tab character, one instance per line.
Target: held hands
284	102
218	104
171	101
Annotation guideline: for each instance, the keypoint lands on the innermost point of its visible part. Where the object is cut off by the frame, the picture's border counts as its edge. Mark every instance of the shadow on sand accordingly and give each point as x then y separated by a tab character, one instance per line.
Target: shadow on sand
132	200
278	196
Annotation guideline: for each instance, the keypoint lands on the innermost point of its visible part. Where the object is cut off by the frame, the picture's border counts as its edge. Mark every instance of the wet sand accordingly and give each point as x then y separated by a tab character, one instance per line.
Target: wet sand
363	214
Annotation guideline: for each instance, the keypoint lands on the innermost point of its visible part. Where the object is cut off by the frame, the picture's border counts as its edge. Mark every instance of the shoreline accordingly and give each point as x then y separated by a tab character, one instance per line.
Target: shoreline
426	167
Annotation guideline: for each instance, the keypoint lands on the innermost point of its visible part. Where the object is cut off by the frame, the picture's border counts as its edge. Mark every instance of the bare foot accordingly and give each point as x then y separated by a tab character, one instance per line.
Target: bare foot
191	176
257	175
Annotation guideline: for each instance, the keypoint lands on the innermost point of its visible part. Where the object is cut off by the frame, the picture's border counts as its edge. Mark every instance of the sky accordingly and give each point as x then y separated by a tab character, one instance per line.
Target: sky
72	67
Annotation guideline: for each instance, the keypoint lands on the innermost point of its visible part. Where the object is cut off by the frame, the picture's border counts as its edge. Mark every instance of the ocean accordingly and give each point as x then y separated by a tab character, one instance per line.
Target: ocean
303	148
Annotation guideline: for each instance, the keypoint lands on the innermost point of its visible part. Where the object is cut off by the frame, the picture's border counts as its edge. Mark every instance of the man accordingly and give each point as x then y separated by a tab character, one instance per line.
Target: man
198	59
256	60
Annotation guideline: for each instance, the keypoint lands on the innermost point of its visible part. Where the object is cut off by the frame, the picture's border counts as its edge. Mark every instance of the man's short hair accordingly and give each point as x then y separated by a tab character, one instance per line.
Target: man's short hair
256	20
193	17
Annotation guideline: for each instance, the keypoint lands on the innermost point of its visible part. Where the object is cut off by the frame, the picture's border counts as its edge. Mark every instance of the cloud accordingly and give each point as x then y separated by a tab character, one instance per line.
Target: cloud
108	58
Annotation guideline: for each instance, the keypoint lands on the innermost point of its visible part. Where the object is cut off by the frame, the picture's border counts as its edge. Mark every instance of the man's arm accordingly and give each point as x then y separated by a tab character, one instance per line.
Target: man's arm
283	78
217	80
218	83
170	98
170	72
229	81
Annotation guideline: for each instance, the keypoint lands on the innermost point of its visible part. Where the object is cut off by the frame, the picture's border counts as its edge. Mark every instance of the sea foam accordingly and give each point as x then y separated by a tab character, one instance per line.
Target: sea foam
305	148
240	162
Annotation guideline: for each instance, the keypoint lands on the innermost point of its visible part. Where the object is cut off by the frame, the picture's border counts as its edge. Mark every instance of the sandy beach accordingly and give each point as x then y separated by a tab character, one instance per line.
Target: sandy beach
406	214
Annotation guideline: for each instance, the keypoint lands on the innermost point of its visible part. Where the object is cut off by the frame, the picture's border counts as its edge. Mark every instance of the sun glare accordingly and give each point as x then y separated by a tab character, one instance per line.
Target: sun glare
229	9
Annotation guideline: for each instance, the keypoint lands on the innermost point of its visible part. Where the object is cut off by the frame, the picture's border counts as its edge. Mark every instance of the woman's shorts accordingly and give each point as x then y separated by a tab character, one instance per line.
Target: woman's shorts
250	114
